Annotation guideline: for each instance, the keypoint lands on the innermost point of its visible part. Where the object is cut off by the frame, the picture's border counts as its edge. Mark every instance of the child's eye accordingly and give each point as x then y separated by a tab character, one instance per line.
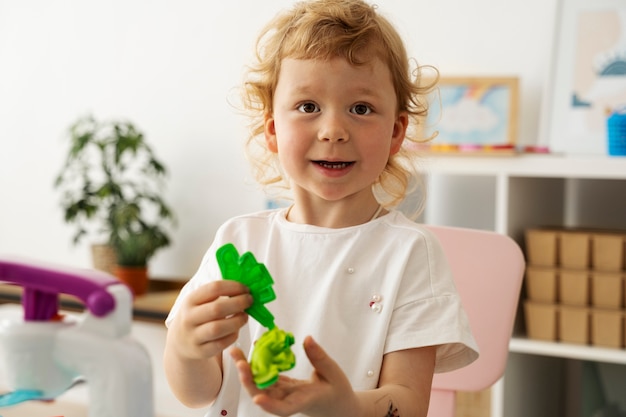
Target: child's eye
308	107
361	109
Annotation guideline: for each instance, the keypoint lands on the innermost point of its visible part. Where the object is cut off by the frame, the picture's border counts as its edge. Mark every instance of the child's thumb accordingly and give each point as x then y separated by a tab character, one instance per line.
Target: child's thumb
325	367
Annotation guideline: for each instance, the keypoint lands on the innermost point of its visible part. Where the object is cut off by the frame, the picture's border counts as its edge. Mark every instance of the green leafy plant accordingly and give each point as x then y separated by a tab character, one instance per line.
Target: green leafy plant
111	185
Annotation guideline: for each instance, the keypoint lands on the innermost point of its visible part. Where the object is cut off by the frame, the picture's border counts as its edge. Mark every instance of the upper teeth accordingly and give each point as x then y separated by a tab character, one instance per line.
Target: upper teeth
334	165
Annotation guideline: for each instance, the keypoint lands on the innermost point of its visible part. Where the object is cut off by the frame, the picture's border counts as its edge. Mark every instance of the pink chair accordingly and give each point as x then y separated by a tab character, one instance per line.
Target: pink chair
488	269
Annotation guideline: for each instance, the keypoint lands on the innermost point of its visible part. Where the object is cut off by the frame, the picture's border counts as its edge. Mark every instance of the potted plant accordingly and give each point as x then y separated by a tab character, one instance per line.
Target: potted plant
111	186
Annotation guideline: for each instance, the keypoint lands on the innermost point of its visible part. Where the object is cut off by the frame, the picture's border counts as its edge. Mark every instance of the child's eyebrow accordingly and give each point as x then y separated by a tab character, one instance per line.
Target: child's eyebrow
366	91
305	89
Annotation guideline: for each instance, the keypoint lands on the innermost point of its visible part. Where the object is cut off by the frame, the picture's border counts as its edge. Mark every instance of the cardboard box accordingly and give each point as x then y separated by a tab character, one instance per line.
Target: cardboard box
541	284
541	320
607	251
607	289
542	247
574	324
607	328
575	249
574	287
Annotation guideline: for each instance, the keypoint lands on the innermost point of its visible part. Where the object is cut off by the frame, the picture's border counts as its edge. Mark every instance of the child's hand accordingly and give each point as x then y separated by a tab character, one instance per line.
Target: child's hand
210	318
327	393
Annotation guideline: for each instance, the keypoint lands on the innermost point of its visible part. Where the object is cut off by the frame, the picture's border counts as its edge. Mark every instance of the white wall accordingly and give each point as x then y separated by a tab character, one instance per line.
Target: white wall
170	67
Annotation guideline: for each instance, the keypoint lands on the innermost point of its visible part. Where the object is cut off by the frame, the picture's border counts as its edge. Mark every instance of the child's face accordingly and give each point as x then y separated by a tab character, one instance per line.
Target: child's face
334	125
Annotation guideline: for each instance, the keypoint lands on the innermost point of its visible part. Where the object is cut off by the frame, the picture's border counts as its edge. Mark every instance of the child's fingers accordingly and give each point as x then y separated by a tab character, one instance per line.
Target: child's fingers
216	289
243	368
222	308
237	355
326	368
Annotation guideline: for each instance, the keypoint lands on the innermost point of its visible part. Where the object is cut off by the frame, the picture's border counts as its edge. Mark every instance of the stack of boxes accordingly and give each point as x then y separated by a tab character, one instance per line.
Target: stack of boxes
575	286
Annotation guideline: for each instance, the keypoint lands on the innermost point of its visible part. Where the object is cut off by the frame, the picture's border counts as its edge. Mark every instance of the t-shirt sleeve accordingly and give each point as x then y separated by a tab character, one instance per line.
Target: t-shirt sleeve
437	317
442	322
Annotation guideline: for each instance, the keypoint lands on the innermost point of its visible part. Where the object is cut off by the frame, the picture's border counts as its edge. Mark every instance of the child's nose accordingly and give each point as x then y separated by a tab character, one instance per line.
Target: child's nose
332	129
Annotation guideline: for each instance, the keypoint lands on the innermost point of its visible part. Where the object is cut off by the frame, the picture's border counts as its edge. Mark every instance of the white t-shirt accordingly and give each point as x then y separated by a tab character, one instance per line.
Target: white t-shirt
360	291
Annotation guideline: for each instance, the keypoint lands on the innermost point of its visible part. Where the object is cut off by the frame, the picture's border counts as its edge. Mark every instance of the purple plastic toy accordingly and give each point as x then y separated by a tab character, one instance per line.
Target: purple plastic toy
43	283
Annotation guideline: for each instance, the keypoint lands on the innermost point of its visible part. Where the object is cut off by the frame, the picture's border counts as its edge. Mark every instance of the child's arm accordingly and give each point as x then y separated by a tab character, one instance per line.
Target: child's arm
404	385
403	390
208	321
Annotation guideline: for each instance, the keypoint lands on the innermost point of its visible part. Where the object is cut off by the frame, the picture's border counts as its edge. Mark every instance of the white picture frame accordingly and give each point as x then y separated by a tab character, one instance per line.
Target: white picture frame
588	76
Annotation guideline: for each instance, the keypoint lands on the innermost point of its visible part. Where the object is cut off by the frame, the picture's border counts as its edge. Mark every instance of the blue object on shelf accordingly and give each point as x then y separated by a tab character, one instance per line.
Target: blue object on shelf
616	128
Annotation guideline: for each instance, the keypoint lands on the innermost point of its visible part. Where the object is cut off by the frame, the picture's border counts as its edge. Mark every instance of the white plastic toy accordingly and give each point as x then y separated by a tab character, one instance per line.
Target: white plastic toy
43	354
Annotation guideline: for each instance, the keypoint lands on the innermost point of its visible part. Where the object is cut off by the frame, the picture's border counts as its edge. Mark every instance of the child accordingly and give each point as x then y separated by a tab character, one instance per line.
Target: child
366	292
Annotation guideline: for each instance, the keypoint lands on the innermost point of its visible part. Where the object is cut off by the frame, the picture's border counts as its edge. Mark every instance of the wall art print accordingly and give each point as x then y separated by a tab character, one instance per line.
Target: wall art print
588	77
474	114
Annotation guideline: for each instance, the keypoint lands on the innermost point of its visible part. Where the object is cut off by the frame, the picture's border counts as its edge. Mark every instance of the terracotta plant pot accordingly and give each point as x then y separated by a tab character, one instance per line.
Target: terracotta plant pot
136	277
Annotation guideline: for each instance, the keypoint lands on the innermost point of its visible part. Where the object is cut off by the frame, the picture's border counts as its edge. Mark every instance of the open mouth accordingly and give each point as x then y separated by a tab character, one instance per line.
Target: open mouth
334	165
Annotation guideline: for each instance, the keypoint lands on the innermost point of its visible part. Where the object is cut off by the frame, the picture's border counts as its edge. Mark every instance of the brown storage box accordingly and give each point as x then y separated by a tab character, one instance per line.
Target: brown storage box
541	320
607	289
607	251
607	328
575	249
541	284
574	287
574	324
542	247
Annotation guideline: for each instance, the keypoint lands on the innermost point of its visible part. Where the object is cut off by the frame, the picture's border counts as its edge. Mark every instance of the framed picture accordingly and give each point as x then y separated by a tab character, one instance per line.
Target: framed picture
588	76
473	114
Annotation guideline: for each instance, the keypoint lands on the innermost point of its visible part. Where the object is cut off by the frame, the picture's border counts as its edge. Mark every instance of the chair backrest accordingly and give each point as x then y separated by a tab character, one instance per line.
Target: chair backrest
488	269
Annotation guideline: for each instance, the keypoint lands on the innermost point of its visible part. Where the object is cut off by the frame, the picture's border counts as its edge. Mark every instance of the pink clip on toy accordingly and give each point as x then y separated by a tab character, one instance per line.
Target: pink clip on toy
44	354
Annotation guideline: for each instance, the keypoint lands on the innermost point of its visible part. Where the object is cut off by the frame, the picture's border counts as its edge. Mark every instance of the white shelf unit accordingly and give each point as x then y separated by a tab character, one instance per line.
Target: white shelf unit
509	194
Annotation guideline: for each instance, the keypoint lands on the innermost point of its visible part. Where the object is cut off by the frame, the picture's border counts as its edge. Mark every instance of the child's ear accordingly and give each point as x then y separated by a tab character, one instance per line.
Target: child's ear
270	133
399	132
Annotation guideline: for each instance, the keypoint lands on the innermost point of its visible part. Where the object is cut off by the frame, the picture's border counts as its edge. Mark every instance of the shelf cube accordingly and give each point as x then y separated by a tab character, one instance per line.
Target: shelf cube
607	289
575	249
574	287
541	320
542	247
541	284
574	324
608	251
607	328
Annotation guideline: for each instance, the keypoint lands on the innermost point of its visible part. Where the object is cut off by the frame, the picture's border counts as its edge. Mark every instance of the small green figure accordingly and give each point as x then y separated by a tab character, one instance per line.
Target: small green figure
272	352
272	355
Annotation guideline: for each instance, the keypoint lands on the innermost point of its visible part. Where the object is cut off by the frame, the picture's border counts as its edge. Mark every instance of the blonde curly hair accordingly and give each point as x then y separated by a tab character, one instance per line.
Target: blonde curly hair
324	29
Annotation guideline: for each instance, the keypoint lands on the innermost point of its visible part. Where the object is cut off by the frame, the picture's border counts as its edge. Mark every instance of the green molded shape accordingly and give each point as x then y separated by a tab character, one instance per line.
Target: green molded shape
271	355
272	352
254	275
